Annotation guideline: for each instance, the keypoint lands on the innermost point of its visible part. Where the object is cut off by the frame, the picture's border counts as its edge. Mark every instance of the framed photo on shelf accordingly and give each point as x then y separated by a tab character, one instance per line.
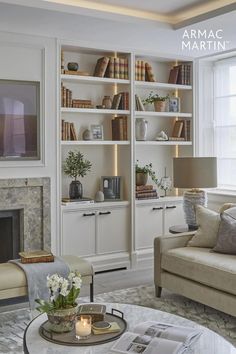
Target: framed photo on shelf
174	104
97	132
111	187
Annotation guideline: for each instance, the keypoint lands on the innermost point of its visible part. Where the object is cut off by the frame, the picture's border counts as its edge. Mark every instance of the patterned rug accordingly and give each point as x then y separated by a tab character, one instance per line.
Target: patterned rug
13	323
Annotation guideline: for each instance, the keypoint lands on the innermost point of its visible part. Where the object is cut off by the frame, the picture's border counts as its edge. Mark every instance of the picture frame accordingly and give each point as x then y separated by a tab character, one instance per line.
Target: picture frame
174	104
111	187
97	131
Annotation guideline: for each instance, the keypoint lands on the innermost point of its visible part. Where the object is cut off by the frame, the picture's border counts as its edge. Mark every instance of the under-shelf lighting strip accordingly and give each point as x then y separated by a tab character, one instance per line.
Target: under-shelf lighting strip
176	146
115	150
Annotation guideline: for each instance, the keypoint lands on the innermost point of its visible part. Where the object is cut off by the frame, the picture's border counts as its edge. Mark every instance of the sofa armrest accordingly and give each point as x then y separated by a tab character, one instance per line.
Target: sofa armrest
165	243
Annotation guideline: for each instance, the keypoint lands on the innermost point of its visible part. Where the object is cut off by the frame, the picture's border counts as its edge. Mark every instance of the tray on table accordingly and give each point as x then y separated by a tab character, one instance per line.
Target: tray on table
69	338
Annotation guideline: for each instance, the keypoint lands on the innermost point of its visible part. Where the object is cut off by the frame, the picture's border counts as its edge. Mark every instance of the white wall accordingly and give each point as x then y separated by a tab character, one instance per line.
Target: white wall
34	59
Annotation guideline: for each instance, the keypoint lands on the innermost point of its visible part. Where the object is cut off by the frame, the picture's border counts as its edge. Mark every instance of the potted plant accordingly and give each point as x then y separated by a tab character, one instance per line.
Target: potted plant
143	172
62	307
159	101
76	166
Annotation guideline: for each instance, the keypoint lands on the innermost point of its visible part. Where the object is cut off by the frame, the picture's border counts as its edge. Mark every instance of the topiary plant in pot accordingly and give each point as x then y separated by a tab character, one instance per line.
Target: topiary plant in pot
76	166
158	101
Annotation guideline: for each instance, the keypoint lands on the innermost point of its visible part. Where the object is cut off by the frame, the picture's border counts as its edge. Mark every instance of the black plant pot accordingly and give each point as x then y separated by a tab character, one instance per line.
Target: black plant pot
76	190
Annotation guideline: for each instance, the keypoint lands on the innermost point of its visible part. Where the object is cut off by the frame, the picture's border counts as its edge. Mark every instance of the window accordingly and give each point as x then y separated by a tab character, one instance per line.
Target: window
224	120
19	120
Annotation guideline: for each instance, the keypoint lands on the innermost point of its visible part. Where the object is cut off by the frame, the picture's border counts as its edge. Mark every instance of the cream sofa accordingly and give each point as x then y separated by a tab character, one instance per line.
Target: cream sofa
194	272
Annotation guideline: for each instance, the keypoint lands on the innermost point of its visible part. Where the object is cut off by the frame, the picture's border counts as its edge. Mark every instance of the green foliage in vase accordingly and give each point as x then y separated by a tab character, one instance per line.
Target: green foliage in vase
75	165
154	98
147	169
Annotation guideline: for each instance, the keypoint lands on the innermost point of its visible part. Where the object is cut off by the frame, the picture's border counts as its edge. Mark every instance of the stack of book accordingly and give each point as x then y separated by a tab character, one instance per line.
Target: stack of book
78	72
78	103
66	97
146	192
120	101
180	74
138	104
119	128
68	131
81	201
143	71
112	67
181	130
36	256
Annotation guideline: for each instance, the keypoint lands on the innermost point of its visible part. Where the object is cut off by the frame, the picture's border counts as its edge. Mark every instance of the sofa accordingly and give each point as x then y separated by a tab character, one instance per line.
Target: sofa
195	272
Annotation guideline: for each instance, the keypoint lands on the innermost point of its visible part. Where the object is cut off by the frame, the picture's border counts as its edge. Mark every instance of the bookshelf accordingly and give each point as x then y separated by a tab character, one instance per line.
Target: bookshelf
113	157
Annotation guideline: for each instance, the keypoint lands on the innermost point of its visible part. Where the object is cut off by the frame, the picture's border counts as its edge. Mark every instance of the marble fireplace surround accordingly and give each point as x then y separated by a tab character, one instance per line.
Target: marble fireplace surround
31	196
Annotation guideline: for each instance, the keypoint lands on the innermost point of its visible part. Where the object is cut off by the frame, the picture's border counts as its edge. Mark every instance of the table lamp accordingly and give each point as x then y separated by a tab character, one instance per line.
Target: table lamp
194	173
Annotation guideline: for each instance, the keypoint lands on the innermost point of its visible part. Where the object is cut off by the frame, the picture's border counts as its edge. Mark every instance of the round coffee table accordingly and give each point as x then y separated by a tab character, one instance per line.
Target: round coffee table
208	343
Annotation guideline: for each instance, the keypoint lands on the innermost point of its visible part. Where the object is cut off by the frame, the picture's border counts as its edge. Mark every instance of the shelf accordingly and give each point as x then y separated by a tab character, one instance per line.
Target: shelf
162	114
93	110
160	200
154	142
146	84
93	80
96	205
95	142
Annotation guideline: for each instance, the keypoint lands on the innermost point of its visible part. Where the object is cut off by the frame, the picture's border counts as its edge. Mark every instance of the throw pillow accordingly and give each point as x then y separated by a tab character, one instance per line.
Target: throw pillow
226	206
208	224
226	242
231	212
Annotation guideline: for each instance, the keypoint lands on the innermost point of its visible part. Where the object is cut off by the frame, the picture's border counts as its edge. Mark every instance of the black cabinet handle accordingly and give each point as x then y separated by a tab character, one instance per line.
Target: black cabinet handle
90	214
171	207
159	208
104	213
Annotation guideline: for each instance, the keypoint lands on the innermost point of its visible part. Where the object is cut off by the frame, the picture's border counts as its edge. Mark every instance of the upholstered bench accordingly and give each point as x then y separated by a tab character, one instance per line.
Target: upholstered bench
13	281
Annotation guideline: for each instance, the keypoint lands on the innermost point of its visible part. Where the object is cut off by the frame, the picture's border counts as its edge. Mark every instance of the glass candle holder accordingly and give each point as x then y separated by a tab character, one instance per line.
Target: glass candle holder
83	327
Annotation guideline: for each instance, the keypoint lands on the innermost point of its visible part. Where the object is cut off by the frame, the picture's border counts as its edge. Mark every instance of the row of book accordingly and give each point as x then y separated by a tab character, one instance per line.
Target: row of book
143	71
120	101
119	128
78	103
112	67
181	130
146	192
180	74
66	97
68	131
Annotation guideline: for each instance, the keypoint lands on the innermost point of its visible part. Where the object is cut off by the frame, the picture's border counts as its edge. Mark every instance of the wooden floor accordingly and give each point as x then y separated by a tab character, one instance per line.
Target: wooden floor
103	283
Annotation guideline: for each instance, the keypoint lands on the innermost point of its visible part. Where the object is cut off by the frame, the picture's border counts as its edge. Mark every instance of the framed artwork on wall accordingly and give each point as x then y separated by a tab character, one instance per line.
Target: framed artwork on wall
111	187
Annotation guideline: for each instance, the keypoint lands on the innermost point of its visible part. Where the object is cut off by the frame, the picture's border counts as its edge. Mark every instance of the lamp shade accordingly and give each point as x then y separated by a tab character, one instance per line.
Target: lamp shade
195	172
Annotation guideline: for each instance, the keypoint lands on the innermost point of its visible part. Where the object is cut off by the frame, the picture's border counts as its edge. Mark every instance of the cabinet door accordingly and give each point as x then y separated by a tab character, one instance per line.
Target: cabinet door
173	215
149	224
113	230
78	233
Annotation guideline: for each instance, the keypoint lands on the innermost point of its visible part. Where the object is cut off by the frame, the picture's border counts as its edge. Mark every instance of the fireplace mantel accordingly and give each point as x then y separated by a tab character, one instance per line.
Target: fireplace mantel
32	197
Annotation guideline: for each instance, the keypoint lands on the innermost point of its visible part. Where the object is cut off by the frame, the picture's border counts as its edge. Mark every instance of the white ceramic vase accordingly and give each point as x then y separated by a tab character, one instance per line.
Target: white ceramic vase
141	127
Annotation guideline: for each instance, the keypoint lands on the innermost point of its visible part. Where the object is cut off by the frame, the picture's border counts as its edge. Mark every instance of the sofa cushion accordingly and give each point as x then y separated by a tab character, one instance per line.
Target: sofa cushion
226	242
201	265
208	224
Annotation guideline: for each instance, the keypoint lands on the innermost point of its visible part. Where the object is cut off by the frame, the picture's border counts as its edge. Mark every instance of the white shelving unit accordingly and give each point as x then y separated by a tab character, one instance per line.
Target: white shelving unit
120	233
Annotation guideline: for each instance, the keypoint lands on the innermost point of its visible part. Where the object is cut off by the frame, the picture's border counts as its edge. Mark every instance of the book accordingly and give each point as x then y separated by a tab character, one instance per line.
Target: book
101	67
177	130
116	101
114	327
157	337
147	195
139	103
173	75
122	68
117	68
119	128
111	68
78	72
36	256
68	201
149	76
126	68
144	187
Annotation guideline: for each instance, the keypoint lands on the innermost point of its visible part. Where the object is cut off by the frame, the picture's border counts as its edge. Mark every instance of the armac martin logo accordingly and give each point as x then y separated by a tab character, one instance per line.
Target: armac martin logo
204	40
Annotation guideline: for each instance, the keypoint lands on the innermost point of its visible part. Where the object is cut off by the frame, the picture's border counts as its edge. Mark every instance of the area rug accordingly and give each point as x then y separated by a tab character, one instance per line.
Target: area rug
13	323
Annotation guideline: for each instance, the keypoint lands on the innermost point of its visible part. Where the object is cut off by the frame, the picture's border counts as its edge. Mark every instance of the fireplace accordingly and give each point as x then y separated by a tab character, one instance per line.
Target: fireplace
10	234
25	223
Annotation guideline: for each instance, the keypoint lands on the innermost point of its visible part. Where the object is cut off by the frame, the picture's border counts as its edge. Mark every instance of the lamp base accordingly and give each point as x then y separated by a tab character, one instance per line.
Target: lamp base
190	199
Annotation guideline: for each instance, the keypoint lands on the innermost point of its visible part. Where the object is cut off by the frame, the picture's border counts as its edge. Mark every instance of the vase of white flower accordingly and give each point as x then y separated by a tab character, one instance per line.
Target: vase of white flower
61	307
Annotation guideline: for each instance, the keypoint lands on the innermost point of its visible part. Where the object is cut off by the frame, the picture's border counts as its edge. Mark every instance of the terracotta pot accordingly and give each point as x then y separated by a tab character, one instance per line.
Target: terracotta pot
141	178
160	106
62	320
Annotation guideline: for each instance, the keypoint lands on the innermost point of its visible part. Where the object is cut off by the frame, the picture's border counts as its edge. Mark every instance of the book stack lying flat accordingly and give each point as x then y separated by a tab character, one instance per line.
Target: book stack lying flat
78	72
146	192
119	128
36	256
78	103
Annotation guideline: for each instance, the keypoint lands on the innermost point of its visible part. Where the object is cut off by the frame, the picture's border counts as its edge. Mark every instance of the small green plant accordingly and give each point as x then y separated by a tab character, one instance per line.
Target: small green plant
75	165
154	98
147	169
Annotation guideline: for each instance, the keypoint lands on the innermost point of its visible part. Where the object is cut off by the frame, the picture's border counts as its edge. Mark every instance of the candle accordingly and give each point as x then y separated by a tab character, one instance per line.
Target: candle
83	327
